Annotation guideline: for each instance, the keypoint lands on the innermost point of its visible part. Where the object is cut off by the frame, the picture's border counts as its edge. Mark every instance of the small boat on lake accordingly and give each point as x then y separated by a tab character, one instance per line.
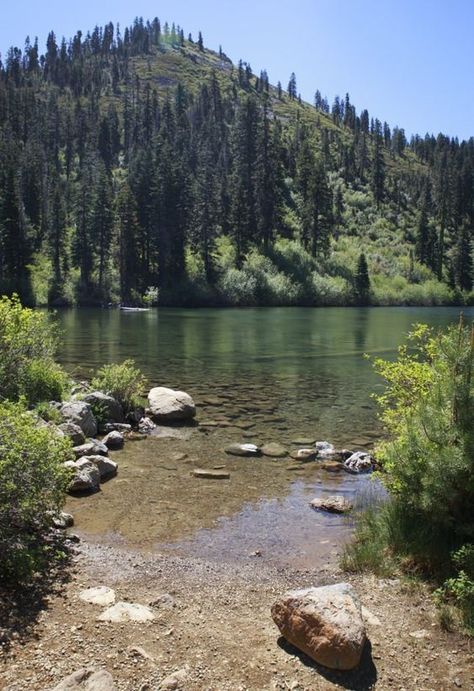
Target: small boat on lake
134	309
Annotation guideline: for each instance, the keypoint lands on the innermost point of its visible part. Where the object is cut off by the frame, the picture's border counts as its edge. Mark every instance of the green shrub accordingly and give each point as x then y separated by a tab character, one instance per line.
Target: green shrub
428	463
48	413
41	380
26	337
123	381
33	483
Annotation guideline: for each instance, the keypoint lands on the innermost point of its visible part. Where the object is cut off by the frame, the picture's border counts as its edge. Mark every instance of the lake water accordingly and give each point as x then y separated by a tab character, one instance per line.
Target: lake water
257	375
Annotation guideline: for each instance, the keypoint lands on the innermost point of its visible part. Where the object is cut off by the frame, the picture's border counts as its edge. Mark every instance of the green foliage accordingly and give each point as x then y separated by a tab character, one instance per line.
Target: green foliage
123	381
33	483
48	412
42	380
28	342
427	464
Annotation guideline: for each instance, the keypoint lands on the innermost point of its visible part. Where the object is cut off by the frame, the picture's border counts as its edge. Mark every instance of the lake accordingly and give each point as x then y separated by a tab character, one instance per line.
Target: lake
256	375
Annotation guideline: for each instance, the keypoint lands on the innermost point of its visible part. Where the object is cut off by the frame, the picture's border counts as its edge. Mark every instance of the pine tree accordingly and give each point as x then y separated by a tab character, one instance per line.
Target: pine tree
292	91
362	281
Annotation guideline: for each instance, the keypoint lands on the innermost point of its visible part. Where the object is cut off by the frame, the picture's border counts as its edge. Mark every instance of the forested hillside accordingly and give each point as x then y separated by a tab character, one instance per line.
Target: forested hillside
140	164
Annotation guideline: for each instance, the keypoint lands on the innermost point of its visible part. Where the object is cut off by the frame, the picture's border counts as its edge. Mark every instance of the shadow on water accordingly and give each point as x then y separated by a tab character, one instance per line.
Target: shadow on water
362	678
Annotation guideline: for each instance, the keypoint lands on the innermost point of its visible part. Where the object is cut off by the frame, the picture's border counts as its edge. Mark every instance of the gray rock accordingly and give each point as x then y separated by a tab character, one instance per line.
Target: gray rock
126	611
115	427
324	446
274	450
81	414
100	595
113	440
304	454
243	450
112	410
211	474
74	432
87	679
63	520
359	462
325	623
85	478
106	467
146	425
91	448
175	681
166	404
333	504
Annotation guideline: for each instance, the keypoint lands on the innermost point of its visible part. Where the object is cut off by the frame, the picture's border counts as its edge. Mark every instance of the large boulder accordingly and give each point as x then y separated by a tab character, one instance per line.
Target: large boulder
85	476
87	679
325	623
109	406
106	467
80	413
169	405
113	440
74	432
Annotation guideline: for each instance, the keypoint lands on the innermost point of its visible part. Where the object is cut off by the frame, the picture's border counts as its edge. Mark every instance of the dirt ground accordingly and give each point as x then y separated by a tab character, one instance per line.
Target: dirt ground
215	624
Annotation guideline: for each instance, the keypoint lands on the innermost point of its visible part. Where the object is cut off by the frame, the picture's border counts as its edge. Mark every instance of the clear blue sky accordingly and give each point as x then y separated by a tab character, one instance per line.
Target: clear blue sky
409	62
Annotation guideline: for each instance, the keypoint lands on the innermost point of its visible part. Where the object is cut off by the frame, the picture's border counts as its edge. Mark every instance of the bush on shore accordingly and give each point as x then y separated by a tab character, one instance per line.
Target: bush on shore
33	484
28	343
123	381
427	524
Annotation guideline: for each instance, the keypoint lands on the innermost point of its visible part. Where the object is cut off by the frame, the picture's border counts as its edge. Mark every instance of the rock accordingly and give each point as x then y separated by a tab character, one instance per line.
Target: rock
80	413
101	595
370	618
138	651
134	416
174	681
211	474
87	679
359	462
115	427
91	448
304	454
324	446
165	601
167	404
325	623
243	450
274	450
126	611
63	520
86	476
146	425
110	408
113	440
420	634
331	466
333	504
304	441
74	432
106	467
334	455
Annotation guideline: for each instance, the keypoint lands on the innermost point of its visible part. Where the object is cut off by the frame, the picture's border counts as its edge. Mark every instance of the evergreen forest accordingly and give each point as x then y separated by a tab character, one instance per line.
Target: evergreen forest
138	166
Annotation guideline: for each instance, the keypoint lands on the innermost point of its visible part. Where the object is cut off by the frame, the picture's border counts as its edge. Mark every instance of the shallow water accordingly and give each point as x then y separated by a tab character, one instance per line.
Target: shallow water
257	375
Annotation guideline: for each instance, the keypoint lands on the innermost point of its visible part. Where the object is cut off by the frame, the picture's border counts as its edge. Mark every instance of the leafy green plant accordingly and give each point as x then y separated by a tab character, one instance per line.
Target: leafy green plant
42	380
48	413
28	343
123	381
33	483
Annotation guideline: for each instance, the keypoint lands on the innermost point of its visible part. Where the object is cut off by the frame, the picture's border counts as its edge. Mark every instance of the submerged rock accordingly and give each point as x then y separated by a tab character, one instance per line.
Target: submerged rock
80	413
325	623
168	405
333	504
359	462
274	450
146	425
304	454
243	450
211	474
